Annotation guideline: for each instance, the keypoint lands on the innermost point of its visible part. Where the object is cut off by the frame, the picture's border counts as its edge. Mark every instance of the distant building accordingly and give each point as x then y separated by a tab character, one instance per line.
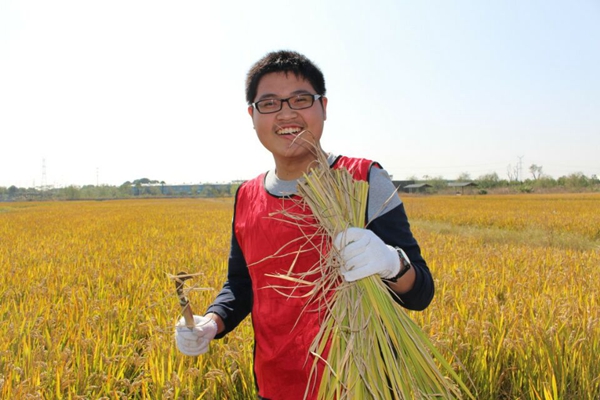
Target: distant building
201	189
416	188
462	186
401	184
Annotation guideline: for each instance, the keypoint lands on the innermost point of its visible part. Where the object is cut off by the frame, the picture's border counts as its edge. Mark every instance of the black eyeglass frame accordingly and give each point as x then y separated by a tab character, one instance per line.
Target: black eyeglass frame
281	101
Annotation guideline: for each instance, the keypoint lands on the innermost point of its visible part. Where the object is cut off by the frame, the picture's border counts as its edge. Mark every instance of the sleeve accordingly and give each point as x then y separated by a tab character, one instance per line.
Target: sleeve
234	301
394	229
390	222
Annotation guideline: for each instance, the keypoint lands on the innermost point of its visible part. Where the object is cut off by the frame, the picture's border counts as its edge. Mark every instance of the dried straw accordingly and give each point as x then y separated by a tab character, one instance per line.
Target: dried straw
371	347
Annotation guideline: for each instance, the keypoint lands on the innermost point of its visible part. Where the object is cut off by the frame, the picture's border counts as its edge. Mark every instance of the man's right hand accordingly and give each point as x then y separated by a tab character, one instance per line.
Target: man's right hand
194	341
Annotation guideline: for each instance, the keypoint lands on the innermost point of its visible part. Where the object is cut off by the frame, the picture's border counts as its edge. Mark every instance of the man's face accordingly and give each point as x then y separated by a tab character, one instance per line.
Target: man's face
279	131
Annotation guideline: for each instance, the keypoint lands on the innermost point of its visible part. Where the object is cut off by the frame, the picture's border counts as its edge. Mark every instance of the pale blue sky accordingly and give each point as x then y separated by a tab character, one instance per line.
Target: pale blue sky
109	91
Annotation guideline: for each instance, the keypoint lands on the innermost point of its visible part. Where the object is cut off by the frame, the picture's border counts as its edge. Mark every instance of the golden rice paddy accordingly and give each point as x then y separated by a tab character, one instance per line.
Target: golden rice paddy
87	310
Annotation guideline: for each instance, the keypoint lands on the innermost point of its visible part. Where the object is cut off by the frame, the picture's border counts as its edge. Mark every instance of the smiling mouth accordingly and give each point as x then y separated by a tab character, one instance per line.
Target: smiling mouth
289	131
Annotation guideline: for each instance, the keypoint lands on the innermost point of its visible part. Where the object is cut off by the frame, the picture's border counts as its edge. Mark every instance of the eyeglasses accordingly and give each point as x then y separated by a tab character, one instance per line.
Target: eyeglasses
298	102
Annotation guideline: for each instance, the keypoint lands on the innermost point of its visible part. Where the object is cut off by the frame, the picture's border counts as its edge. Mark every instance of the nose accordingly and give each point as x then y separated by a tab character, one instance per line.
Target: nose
286	110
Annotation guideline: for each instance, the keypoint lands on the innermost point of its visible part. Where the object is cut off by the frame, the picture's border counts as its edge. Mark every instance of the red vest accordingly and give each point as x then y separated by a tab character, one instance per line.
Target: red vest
273	244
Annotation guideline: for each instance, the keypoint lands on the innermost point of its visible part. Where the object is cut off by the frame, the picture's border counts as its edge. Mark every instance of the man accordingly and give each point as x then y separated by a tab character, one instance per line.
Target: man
286	99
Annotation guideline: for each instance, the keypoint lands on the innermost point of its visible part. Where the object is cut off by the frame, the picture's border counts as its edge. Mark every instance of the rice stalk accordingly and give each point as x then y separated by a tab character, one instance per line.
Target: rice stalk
371	347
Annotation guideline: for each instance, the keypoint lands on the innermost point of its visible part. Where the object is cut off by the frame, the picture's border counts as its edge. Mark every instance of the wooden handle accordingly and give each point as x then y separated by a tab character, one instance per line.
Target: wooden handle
186	308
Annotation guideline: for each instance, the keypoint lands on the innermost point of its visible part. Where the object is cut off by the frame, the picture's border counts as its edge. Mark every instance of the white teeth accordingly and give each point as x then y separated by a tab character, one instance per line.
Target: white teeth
288	131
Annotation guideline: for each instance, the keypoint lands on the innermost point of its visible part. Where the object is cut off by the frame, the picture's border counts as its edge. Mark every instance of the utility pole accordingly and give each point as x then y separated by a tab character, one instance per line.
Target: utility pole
520	166
43	187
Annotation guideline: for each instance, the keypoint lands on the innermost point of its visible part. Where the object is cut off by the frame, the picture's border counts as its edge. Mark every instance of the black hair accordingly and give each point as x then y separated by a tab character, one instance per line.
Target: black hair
284	61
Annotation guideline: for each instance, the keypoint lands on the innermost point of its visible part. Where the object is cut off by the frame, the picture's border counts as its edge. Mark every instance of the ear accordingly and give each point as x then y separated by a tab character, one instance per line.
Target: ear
251	111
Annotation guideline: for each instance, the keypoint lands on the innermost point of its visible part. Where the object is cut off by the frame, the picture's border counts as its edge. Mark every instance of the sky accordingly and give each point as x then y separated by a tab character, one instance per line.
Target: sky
104	92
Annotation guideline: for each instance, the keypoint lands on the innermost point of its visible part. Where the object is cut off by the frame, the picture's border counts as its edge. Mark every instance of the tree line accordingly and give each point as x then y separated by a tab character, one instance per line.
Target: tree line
144	187
139	188
539	182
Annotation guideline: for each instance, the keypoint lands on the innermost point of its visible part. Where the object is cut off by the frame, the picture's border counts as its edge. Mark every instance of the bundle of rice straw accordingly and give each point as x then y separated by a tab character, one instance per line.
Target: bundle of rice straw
371	347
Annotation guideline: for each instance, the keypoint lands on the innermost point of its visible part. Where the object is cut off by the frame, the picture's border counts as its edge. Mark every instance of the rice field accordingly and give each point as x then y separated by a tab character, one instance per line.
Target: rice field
87	308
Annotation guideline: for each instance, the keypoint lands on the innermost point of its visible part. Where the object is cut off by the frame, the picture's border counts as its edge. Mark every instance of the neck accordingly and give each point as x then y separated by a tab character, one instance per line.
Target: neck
289	172
290	169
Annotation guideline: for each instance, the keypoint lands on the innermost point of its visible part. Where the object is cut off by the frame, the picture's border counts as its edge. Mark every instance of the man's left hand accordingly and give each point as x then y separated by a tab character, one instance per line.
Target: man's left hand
363	254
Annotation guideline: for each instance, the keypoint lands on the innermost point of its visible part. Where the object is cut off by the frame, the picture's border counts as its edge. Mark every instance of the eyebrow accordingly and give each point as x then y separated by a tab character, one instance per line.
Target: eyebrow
274	96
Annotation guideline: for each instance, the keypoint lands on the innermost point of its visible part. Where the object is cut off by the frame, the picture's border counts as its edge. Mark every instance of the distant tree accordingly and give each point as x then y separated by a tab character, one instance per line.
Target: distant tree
513	173
208	191
488	181
464	177
224	190
71	193
12	191
124	190
88	192
544	182
574	180
105	192
437	183
153	190
536	171
233	188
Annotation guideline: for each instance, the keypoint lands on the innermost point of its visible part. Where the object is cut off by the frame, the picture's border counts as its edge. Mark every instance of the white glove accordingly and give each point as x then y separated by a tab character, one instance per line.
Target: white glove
194	341
363	254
